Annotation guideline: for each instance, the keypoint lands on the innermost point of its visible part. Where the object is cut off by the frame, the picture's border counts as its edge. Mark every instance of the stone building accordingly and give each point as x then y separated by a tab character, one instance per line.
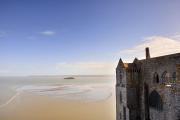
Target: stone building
148	89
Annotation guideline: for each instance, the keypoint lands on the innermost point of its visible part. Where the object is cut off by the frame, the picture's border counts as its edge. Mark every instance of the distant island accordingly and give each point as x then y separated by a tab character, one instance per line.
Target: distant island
69	78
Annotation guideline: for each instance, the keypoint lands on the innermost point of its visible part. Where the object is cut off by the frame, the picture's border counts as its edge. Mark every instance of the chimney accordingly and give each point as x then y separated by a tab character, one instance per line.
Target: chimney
147	53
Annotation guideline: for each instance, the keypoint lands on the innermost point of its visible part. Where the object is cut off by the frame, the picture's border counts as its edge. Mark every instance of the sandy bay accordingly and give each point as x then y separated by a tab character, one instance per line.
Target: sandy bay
56	101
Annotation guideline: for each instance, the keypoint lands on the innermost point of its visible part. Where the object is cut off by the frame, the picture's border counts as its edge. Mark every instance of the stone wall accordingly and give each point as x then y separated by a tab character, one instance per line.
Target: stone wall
149	89
121	95
165	67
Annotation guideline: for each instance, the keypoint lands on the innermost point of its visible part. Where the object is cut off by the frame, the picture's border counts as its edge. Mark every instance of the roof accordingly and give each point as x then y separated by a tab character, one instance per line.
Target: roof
162	57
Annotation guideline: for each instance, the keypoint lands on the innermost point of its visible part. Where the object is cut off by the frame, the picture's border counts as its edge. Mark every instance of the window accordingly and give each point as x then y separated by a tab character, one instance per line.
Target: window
156	78
124	113
120	116
119	76
164	77
174	77
120	97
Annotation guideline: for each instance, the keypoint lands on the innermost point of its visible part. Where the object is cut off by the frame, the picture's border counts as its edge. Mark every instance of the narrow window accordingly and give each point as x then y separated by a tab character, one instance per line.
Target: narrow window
120	76
124	113
156	78
164	77
120	116
120	97
174	77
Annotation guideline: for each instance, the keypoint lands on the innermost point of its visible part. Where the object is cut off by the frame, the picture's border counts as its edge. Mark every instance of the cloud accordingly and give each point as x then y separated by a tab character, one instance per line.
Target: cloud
48	33
158	45
175	36
89	68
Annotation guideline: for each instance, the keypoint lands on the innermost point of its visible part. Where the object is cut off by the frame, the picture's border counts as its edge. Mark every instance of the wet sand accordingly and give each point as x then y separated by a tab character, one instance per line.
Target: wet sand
28	106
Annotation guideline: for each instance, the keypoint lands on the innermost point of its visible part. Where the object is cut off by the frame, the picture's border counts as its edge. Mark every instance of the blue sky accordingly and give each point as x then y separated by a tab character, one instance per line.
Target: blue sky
55	37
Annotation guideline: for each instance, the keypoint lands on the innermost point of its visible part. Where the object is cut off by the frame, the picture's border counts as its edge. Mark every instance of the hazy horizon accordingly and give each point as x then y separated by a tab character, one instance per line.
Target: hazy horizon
55	75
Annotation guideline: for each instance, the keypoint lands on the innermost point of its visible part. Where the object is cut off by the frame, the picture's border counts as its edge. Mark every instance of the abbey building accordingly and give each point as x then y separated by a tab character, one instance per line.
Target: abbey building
148	89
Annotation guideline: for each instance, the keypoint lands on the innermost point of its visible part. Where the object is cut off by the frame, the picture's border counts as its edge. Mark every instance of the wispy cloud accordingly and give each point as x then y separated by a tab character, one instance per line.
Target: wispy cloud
96	68
175	36
158	45
48	32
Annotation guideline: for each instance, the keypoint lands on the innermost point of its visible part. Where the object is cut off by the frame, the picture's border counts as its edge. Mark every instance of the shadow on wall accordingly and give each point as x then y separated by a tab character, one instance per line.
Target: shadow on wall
155	101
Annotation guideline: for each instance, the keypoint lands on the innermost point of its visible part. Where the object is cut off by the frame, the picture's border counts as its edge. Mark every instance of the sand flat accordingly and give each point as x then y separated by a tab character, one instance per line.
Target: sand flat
28	106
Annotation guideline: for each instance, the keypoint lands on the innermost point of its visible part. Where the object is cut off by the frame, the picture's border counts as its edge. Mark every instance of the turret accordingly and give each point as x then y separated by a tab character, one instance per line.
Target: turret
120	63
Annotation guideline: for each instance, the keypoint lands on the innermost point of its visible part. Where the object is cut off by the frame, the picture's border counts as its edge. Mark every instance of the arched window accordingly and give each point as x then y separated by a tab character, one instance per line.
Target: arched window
164	77
174	77
155	100
156	78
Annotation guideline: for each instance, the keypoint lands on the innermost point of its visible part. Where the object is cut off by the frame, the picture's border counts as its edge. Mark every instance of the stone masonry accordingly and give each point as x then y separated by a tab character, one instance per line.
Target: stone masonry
148	89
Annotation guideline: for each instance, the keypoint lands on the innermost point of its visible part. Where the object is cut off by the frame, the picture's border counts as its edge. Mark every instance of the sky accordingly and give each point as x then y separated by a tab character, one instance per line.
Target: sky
83	37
